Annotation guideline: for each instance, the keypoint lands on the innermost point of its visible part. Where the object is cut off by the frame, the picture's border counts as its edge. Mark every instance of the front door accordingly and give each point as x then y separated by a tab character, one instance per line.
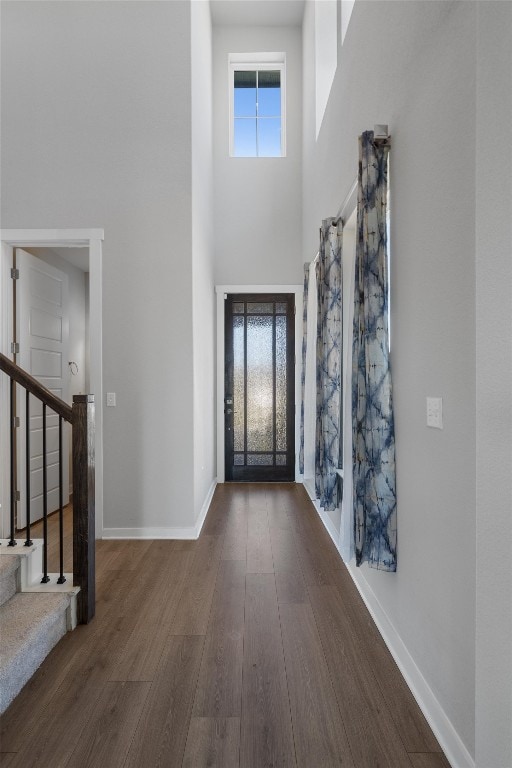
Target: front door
259	398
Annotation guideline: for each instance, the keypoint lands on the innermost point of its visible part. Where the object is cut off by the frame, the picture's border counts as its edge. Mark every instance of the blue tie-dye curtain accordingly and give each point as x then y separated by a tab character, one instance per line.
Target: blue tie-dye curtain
303	373
372	405
328	365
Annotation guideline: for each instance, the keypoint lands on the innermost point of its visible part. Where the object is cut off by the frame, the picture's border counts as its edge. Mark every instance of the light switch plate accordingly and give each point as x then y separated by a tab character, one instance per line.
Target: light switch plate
435	412
111	398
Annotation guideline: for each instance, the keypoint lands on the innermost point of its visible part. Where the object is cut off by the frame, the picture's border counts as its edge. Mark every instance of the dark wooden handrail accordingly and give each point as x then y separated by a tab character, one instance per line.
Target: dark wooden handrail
36	388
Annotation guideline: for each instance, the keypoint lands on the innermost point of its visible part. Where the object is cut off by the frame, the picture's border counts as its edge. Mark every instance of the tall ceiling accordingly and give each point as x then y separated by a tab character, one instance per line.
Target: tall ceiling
257	12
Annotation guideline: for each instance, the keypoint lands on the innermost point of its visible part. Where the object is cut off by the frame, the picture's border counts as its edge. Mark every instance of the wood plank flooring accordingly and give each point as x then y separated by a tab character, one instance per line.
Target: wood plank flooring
248	648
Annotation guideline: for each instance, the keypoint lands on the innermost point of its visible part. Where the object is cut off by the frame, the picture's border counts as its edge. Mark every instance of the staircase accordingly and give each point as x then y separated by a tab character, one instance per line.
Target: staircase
33	616
36	607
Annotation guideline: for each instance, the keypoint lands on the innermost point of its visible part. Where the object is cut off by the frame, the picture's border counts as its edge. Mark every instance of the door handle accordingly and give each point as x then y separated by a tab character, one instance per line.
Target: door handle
228	410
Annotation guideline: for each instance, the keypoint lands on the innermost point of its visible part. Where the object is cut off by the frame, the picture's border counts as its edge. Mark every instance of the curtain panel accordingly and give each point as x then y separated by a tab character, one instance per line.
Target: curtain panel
303	372
328	365
374	484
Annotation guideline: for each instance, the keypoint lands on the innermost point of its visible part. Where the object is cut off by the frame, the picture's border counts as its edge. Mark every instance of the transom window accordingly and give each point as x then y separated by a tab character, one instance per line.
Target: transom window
257	107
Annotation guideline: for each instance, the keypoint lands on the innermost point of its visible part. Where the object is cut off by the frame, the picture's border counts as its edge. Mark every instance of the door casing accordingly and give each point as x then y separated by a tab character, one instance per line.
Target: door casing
278	473
56	238
221	290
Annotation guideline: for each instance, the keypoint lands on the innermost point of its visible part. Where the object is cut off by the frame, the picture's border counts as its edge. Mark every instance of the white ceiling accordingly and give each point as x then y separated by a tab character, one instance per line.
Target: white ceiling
79	257
257	12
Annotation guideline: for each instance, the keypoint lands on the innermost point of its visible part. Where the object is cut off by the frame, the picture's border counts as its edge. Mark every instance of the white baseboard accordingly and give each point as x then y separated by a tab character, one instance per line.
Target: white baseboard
309	485
191	532
205	507
448	738
150	533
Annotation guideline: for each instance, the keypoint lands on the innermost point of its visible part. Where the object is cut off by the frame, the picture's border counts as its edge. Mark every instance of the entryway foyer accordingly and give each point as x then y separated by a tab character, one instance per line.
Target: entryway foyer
249	647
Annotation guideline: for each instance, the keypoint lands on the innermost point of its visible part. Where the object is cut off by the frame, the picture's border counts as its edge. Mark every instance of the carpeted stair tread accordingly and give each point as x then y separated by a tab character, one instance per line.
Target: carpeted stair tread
31	624
9	564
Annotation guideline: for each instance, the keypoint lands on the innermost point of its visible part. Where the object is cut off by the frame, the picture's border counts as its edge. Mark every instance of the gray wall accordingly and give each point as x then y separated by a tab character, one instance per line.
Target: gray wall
412	65
257	200
96	132
494	387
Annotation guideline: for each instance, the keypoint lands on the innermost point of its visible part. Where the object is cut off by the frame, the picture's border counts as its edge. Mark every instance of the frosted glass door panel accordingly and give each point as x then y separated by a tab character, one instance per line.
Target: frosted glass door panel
260	384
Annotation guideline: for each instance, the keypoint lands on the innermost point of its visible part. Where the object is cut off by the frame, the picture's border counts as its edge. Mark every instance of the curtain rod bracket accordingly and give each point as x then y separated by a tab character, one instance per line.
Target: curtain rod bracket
381	137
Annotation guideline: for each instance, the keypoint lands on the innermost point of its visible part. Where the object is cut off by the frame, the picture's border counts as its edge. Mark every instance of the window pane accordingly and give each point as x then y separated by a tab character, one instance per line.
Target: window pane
262	459
256	308
269	94
269	78
244	78
269	137
269	102
245	94
245	102
245	137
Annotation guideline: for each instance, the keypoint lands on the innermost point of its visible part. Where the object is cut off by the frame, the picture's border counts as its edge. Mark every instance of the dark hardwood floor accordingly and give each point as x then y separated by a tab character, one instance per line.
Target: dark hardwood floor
249	647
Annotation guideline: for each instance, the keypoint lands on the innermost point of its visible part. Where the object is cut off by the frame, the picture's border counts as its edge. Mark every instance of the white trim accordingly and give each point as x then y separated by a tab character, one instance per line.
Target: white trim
206	506
220	291
61	238
264	57
299	302
256	61
96	368
190	533
443	729
289	288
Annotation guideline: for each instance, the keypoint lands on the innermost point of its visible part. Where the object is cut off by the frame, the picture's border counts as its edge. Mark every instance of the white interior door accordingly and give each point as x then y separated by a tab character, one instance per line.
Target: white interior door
42	322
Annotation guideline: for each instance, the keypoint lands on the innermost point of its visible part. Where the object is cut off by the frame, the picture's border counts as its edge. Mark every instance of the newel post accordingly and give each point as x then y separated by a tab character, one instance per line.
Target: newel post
83	505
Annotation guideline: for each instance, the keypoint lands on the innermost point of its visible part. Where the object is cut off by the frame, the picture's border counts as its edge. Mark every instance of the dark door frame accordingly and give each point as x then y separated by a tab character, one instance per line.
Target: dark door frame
257	473
221	291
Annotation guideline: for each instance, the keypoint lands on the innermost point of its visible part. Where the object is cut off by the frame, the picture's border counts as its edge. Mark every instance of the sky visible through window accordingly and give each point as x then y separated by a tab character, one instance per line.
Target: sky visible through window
257	113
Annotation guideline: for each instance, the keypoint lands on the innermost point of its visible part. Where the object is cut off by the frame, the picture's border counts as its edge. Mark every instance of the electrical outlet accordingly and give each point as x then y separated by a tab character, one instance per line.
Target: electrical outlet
435	412
111	398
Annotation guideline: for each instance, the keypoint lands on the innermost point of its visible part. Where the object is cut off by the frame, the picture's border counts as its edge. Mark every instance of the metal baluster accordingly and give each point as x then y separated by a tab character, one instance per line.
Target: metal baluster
61	578
12	540
45	578
28	542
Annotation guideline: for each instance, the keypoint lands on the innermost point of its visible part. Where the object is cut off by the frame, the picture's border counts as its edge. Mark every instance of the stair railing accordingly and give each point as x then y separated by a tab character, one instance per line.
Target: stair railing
81	418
